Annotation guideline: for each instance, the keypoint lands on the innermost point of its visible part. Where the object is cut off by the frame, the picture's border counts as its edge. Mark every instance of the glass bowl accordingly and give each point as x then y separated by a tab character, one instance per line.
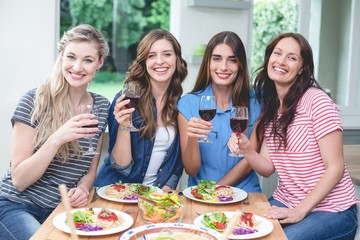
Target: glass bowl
160	208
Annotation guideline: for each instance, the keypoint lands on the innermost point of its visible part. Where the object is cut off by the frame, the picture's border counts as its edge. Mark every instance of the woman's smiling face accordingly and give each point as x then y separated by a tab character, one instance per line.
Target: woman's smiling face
223	65
80	62
285	62
161	61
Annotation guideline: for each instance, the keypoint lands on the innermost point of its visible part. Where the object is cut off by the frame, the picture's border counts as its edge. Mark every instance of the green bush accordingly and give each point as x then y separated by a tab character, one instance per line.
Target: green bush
106	76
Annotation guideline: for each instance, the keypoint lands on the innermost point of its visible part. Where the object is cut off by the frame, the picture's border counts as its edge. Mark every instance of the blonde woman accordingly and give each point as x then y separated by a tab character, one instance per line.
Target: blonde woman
49	138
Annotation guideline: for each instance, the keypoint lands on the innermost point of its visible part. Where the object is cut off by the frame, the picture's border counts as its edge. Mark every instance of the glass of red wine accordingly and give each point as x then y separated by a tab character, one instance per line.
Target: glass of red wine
132	92
93	110
207	111
239	118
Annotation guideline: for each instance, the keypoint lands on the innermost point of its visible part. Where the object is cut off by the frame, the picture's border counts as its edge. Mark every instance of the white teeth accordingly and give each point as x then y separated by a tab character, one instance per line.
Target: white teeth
160	69
223	75
280	70
76	75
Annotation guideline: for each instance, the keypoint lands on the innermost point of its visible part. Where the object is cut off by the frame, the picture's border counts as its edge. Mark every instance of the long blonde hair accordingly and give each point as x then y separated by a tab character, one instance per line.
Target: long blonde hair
137	73
52	104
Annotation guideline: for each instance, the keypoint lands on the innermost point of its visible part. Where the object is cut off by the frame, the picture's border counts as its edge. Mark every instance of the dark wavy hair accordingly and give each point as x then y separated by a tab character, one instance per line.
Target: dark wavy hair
137	73
241	85
267	95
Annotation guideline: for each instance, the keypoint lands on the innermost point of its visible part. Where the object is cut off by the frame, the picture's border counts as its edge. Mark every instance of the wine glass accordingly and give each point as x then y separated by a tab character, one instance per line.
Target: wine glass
93	110
132	92
207	111
239	118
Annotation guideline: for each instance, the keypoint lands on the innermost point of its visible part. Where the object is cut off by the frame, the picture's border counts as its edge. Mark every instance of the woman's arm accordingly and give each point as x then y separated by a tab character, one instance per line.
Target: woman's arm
28	166
255	153
78	196
189	135
236	174
121	151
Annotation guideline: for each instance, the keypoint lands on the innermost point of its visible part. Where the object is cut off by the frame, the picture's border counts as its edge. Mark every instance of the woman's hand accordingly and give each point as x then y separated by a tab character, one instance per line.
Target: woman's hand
121	112
285	215
166	188
198	128
233	143
74	128
78	196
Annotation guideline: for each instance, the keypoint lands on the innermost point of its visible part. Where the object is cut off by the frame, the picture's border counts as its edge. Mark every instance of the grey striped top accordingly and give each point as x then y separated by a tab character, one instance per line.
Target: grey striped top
44	192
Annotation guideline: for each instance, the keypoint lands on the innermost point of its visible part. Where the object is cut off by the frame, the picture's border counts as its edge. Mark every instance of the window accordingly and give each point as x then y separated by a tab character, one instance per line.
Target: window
123	22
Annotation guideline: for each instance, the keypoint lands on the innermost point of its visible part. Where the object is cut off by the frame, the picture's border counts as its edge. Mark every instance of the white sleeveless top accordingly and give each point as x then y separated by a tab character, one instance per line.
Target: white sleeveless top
163	139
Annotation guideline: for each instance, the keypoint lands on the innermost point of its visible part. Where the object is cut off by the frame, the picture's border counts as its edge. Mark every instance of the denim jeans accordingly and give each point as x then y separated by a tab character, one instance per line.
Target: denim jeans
20	221
322	225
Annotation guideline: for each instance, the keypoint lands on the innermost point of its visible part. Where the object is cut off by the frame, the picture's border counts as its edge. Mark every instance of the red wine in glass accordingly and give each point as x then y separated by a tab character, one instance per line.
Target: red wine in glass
94	110
132	93
207	114
207	111
239	118
238	125
134	101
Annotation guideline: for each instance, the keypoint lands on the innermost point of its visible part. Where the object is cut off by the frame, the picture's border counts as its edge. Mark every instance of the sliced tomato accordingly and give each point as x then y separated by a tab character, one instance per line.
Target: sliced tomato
107	216
220	226
247	218
195	193
79	224
119	188
221	186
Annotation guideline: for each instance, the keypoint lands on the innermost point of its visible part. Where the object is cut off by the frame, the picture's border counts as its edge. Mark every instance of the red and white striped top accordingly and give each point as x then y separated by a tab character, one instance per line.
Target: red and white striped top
300	165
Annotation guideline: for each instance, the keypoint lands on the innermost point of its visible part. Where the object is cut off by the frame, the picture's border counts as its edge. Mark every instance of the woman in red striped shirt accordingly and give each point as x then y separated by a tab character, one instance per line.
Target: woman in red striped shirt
300	135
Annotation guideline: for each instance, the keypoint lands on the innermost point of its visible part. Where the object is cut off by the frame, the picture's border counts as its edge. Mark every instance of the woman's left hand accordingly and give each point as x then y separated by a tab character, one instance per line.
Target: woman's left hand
285	215
78	196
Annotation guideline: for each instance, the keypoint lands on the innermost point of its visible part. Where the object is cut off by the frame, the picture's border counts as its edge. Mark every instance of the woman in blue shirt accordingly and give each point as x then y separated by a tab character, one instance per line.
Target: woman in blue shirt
151	155
224	74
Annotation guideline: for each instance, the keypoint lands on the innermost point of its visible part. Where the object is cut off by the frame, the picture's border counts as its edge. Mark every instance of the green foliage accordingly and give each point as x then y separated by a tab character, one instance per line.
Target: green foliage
160	14
130	22
271	18
93	12
106	76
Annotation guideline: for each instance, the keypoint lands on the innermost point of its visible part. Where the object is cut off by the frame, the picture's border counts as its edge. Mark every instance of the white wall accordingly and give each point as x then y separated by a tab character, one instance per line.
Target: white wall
28	36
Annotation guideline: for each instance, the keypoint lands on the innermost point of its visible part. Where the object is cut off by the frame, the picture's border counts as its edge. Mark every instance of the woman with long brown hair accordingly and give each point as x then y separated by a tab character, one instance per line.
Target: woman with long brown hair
224	74
300	135
152	154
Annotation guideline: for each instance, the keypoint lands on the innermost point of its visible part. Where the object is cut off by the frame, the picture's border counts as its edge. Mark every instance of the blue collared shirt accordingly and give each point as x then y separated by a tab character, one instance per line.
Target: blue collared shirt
215	159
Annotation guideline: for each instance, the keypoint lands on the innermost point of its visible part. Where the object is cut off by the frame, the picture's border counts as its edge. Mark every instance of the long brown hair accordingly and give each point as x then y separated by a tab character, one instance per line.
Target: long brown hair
241	85
52	104
267	95
137	73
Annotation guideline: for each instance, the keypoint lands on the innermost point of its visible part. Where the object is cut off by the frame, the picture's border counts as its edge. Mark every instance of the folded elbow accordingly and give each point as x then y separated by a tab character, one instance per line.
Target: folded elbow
191	173
17	184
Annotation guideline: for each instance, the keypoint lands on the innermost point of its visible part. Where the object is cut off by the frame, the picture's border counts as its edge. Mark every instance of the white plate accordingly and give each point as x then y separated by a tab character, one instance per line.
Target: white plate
264	226
101	193
59	223
239	196
146	231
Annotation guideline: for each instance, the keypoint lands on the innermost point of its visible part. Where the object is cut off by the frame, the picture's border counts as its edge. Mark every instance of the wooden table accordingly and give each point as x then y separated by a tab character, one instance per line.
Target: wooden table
258	204
352	159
